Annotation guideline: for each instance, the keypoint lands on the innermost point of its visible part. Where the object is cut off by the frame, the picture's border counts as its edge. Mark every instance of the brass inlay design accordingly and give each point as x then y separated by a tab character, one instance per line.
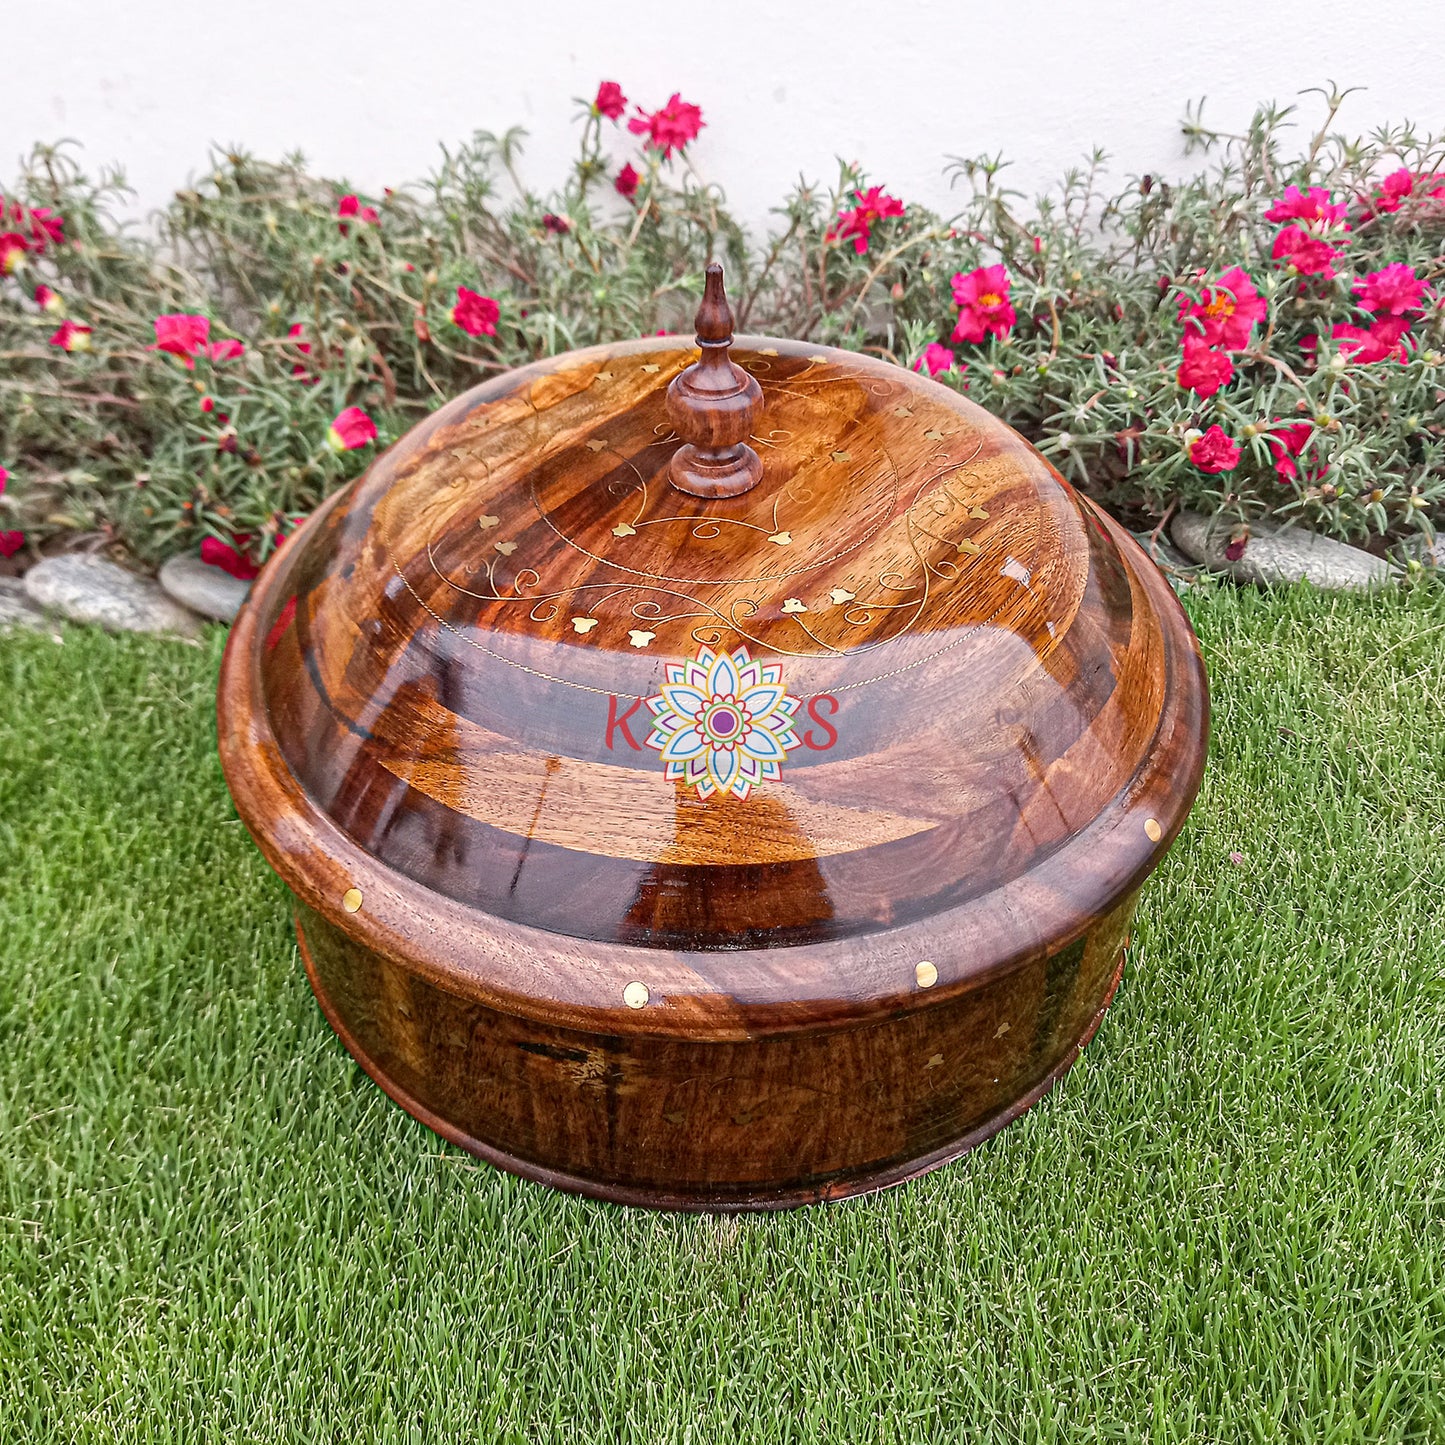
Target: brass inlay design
1152	830
926	973
351	900
635	995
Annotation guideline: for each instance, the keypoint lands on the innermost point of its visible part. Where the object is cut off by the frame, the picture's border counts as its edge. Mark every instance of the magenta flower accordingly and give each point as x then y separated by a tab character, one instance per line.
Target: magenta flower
476	314
1304	253
231	559
670	128
1215	451
1394	290
350	206
627	181
1203	369
1226	311
610	100
71	336
984	308
351	429
936	358
13	247
48	300
1314	207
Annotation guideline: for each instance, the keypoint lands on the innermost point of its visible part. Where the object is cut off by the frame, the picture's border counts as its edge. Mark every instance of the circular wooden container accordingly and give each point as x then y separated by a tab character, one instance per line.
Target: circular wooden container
713	851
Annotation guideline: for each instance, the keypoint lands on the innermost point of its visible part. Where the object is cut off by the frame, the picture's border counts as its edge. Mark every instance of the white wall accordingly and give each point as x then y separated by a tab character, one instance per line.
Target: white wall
368	87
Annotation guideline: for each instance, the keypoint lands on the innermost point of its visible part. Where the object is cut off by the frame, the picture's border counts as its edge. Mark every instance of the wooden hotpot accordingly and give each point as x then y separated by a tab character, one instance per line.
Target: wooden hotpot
717	784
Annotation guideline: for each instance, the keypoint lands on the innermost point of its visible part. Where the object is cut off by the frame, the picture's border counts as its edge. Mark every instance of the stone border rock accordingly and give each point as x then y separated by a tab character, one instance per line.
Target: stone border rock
91	589
1274	554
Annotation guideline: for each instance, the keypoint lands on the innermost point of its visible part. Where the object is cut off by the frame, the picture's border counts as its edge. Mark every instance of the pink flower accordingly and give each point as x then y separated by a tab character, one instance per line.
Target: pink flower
610	100
1288	442
1394	290
72	336
982	299
13	247
4	477
1399	185
1314	207
188	337
857	224
1384	341
670	128
234	560
46	227
557	225
936	358
1214	452
1203	369
1226	312
349	206
627	181
351	429
1305	254
296	333
11	543
476	314
48	300
183	336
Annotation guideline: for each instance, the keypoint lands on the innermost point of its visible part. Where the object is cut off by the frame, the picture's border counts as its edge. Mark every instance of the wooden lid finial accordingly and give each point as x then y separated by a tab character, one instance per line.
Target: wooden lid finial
714	405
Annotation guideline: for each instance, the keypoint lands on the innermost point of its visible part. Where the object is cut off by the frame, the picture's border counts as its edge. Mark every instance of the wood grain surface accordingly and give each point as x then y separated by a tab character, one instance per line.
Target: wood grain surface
443	708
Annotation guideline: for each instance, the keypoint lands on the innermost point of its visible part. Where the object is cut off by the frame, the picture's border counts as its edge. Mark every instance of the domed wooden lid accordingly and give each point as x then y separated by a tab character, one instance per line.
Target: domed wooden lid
516	707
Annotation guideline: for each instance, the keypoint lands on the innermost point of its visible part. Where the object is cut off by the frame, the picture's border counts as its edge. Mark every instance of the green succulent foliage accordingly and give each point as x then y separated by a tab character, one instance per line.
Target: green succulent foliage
110	448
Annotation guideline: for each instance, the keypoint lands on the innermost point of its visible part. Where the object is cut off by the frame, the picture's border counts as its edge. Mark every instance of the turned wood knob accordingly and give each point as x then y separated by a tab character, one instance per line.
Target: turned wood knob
713	405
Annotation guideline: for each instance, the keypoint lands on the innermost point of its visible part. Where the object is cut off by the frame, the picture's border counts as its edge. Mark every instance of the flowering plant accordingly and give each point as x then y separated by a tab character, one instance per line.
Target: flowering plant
1263	338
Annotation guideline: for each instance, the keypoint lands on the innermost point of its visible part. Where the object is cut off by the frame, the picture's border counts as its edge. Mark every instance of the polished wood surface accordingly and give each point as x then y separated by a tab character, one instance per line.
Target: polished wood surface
491	715
713	406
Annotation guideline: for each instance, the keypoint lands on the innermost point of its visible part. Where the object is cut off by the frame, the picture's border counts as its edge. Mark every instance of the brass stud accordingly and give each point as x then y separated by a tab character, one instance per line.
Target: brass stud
1152	829
351	900
635	995
926	973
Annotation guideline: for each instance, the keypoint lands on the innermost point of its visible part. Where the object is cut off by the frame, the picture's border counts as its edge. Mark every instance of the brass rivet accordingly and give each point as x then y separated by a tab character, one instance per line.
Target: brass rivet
351	900
1153	830
635	995
926	974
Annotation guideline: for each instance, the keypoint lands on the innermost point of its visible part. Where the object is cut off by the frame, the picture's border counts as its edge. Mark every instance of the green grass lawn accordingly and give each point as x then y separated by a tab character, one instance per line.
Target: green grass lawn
1226	1225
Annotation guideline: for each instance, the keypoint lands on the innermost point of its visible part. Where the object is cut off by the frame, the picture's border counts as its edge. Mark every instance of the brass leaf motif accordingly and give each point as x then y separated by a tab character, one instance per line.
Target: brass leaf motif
839	595
970	546
768	351
584	624
934	435
640	639
795	604
623	530
979	513
603	376
781	538
485	523
651	366
596	445
505	548
902	411
817	360
842	456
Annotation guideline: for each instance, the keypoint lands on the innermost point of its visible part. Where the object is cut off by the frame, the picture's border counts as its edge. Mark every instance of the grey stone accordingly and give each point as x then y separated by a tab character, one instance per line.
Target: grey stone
90	589
203	588
1276	554
16	609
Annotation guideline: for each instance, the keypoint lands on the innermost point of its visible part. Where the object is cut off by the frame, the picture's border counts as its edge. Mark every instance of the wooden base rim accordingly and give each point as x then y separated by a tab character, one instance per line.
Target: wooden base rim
866	1181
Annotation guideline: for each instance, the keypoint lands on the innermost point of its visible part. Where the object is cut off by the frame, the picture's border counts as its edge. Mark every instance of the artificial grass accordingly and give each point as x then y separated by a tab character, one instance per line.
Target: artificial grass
1226	1224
